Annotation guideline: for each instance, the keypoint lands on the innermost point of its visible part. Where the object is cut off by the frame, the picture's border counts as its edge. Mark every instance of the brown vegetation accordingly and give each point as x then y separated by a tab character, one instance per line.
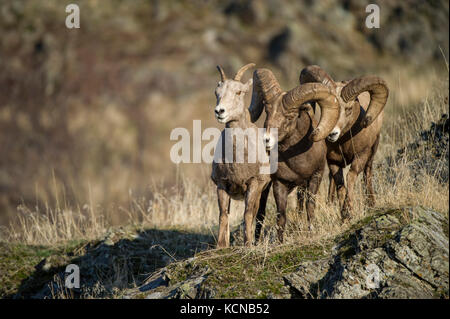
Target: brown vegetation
85	115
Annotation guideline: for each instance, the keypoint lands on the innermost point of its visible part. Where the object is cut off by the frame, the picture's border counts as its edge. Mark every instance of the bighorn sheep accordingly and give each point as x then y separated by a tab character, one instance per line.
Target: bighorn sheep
301	145
354	140
237	180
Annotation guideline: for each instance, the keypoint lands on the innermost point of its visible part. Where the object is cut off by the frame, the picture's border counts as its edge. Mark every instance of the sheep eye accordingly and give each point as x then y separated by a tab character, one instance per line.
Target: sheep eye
348	111
239	93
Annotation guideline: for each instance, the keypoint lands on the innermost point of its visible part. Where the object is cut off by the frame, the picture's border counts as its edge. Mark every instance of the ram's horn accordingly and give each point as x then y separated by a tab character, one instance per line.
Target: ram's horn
315	73
265	89
315	92
378	91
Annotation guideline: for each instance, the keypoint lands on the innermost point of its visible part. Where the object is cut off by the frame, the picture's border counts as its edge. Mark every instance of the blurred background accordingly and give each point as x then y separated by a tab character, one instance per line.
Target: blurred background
86	114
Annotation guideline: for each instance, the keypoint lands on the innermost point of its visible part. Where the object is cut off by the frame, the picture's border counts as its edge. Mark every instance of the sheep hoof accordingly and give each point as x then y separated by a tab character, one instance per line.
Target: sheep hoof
222	245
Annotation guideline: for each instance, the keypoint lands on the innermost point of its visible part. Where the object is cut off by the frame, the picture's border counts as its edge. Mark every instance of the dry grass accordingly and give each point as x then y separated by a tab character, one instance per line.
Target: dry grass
191	204
54	90
85	137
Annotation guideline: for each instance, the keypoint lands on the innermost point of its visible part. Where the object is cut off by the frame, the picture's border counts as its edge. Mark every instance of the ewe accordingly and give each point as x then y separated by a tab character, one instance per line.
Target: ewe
234	179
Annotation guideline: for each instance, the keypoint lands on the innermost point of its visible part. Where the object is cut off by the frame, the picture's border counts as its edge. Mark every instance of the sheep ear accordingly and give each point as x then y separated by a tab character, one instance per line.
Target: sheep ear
248	85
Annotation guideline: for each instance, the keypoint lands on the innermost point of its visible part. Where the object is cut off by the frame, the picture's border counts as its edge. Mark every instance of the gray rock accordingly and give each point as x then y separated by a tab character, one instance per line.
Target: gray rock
158	287
398	254
188	289
155	295
160	280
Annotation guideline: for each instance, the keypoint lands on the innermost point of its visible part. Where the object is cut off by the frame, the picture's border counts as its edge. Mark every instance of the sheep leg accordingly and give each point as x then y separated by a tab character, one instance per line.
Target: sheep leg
252	197
331	189
224	208
301	191
368	175
280	192
338	178
261	211
357	166
347	208
313	188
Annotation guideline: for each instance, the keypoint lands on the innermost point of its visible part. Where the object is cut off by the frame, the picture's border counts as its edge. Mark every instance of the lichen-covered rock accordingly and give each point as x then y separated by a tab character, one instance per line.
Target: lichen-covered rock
395	254
157	287
118	261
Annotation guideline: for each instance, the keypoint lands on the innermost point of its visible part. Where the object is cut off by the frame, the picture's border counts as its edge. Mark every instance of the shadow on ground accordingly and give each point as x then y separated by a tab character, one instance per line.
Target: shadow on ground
122	259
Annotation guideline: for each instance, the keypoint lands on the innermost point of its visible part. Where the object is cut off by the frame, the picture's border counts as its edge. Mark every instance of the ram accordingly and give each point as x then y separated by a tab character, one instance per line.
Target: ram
355	138
301	146
234	179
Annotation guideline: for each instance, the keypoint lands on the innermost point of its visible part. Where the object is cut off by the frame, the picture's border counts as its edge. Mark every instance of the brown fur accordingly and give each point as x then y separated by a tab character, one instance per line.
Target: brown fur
357	148
298	137
238	180
354	141
301	162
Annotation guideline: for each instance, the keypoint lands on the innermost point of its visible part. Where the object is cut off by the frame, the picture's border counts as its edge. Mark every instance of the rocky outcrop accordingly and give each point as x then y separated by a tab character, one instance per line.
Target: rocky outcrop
108	267
400	253
395	254
157	287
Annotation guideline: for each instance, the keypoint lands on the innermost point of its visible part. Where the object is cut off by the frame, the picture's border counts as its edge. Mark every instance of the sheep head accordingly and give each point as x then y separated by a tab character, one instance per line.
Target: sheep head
350	95
282	108
230	95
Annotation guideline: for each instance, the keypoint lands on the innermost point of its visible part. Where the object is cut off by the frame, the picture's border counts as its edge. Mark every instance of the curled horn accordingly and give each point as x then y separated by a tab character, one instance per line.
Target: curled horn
315	73
265	88
378	91
223	76
315	92
242	70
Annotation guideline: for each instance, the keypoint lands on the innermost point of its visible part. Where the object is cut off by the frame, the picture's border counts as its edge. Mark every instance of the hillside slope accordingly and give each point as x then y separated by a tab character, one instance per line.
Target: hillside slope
147	67
396	253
